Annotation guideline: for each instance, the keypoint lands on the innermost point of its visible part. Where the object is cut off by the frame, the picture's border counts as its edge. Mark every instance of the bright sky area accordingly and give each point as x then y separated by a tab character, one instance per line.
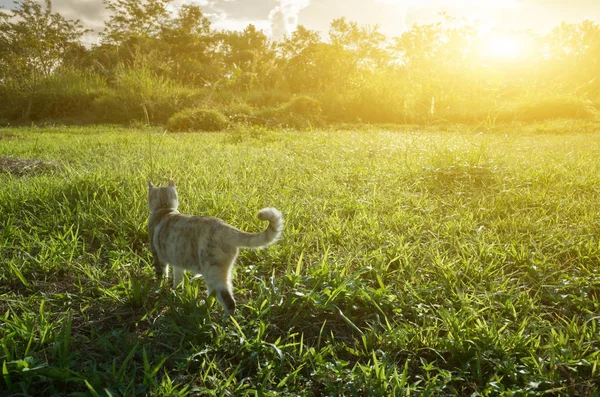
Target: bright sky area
280	17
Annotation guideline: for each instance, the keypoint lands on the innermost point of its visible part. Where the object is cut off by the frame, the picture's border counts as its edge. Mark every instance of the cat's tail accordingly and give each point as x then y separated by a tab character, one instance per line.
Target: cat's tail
268	236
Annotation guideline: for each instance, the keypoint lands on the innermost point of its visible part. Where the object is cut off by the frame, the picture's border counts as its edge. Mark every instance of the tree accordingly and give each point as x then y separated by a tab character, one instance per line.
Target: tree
248	56
131	35
178	44
436	58
138	18
311	65
299	52
365	44
573	56
33	43
191	45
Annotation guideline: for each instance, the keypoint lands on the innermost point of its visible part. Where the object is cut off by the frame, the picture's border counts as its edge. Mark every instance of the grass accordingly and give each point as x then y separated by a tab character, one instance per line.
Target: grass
413	263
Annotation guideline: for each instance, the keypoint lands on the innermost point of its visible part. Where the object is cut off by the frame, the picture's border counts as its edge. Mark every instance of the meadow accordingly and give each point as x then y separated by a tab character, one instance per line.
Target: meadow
415	261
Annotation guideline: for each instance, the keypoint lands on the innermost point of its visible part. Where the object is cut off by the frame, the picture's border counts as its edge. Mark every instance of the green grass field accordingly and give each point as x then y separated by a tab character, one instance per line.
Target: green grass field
413	263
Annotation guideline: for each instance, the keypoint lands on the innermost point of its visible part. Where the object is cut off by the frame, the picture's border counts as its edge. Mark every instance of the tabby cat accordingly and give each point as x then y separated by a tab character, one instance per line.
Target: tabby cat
201	244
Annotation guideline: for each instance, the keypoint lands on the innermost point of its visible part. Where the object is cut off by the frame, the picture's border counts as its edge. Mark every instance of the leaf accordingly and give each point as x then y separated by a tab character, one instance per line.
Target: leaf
349	322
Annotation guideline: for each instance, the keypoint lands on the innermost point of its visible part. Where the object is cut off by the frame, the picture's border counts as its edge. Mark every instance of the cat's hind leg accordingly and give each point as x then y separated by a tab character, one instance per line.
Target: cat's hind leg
218	280
177	276
225	296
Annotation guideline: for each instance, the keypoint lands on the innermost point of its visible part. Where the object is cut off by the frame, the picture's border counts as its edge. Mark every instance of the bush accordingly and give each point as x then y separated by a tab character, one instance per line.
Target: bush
553	107
67	94
13	102
139	94
570	107
64	94
299	112
304	106
263	98
369	105
197	119
239	112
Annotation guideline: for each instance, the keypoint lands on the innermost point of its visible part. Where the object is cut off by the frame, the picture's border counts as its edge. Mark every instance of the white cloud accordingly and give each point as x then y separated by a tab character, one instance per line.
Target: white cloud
452	3
229	23
284	17
176	4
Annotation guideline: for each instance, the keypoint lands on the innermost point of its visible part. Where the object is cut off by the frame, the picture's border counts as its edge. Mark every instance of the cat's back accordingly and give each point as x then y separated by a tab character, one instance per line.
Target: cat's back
177	236
187	241
188	226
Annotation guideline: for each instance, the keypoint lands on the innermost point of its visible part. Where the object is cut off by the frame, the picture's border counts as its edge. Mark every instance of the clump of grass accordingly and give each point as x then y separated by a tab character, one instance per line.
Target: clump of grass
194	119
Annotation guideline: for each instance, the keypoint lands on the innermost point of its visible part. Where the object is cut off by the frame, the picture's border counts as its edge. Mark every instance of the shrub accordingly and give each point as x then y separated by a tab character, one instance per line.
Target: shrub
299	112
262	98
365	105
13	102
239	112
197	119
139	94
67	94
304	106
64	94
554	107
282	117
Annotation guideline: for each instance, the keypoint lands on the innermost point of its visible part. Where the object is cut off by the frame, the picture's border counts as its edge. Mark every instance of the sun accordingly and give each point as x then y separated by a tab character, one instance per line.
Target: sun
502	46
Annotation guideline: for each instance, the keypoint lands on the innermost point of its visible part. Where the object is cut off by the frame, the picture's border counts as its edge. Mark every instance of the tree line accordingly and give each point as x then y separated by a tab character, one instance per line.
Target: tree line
151	64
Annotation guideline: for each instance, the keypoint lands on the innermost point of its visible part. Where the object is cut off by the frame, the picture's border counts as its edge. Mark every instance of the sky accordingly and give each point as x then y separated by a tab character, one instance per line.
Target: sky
278	18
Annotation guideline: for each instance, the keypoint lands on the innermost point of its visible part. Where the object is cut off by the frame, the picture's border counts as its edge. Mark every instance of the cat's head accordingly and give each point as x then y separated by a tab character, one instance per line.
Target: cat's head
162	197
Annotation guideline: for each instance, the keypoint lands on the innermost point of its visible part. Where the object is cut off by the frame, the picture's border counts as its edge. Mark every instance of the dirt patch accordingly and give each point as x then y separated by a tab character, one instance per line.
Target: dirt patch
7	135
21	167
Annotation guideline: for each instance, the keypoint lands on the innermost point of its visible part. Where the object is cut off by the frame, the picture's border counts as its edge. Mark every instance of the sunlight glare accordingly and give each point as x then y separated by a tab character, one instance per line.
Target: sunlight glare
502	46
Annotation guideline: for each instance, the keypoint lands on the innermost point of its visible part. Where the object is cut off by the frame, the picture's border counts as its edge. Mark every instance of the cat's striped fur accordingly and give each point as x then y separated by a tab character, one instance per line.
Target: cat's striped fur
201	244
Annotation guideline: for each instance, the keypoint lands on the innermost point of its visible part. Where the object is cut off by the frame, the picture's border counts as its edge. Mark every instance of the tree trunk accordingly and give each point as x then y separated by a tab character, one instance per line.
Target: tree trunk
27	112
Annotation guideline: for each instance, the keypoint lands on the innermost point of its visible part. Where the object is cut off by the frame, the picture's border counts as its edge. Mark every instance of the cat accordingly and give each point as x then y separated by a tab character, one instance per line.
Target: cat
201	244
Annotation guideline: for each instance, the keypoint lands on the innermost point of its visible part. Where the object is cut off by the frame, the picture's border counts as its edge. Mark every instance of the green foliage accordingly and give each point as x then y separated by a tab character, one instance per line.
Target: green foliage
33	43
272	98
142	95
303	106
299	112
159	58
249	58
195	119
551	107
372	104
67	94
141	18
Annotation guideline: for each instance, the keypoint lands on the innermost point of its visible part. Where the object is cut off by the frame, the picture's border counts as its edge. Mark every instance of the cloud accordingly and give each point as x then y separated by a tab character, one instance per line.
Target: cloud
452	3
92	13
175	5
284	17
564	3
241	24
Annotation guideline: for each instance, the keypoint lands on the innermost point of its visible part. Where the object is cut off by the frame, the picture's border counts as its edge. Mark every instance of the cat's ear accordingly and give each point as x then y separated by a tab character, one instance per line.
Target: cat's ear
171	183
150	185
